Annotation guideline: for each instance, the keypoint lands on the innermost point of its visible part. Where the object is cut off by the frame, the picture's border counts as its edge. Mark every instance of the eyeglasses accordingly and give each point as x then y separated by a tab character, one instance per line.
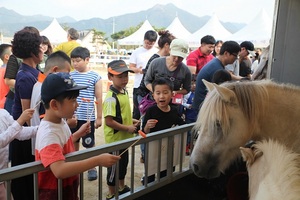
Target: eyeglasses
234	54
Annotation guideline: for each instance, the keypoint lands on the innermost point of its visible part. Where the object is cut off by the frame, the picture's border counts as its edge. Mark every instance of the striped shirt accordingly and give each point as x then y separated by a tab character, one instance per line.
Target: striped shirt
86	96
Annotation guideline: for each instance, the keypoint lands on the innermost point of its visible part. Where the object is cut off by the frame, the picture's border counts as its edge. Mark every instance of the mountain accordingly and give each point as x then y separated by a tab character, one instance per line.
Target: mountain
11	21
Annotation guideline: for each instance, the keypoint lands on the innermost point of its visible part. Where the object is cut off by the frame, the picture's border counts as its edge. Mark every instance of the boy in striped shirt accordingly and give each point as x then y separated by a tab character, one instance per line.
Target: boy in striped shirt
87	99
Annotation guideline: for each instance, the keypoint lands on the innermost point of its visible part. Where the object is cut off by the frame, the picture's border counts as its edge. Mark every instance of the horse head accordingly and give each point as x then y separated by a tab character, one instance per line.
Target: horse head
273	170
223	127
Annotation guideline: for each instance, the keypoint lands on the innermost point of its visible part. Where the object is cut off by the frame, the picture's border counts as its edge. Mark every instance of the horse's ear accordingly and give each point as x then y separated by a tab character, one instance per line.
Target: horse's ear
226	94
208	85
248	155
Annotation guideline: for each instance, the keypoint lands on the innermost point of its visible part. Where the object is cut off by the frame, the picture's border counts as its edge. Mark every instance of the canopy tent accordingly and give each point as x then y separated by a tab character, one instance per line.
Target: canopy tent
212	27
55	33
178	30
137	37
258	31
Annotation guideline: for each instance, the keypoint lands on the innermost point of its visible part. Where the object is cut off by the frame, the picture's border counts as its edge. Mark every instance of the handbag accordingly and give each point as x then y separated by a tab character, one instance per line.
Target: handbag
146	103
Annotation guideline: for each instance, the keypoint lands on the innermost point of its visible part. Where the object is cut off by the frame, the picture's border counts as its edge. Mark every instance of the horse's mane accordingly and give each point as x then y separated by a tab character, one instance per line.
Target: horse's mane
251	96
281	167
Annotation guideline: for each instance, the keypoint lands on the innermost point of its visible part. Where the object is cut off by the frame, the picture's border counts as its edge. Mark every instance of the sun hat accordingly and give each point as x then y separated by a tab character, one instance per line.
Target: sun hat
179	48
117	67
56	84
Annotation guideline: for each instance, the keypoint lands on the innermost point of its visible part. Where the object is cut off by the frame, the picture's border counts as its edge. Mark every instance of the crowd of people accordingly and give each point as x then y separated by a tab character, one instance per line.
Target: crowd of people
51	99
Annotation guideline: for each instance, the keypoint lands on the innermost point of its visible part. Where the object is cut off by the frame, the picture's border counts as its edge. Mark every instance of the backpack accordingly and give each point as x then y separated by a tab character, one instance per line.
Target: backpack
146	103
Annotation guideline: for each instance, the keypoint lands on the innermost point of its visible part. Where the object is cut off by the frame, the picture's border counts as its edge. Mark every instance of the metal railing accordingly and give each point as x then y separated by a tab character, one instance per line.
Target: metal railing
182	168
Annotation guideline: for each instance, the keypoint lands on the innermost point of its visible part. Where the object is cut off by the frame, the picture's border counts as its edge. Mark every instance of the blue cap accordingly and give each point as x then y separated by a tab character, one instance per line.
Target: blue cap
56	84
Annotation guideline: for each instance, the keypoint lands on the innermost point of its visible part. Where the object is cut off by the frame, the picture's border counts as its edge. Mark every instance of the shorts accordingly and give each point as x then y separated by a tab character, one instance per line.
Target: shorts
111	171
88	140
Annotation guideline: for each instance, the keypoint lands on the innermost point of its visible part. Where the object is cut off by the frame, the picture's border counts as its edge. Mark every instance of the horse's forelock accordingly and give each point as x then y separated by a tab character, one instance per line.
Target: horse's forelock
250	96
214	109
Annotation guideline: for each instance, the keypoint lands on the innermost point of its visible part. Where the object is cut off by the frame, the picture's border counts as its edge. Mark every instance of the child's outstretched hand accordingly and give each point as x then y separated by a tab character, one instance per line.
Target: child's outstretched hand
84	129
25	116
151	123
107	160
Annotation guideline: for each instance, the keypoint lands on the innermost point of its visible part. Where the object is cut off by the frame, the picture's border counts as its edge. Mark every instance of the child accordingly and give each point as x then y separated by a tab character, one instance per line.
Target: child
189	112
118	122
155	117
54	139
85	112
56	62
5	52
10	130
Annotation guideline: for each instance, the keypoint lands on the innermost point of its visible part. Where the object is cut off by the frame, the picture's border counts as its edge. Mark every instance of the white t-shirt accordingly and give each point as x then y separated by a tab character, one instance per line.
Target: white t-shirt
140	57
10	130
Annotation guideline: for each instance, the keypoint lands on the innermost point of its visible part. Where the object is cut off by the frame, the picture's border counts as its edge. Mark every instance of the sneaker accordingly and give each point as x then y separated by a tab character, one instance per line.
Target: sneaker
92	174
124	190
110	196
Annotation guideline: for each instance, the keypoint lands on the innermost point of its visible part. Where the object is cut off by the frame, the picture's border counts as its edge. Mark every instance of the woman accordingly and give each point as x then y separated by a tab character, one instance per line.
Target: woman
27	46
171	67
47	50
217	48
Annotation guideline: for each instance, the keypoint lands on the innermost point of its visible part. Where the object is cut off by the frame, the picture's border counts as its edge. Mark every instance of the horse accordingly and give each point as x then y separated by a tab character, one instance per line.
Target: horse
273	170
236	112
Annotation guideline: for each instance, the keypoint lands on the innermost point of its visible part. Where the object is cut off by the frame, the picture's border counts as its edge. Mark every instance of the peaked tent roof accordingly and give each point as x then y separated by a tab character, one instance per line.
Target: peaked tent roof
178	30
258	31
137	37
55	33
212	27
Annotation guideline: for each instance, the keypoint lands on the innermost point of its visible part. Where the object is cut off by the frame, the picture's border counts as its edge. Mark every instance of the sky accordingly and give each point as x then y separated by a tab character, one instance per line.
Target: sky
241	11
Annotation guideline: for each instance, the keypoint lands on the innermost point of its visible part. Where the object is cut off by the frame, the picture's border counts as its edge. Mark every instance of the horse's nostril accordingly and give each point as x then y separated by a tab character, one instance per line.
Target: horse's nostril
196	168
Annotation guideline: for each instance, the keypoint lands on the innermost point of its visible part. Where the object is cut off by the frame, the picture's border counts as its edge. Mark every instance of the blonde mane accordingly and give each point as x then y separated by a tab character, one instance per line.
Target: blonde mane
276	173
250	98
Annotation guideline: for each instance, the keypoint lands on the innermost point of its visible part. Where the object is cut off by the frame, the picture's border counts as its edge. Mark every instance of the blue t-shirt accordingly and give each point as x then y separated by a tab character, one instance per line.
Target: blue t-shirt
206	73
25	79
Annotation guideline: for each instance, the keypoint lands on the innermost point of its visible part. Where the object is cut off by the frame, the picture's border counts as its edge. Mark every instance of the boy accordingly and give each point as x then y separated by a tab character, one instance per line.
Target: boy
155	117
56	62
11	129
118	122
54	139
5	52
85	112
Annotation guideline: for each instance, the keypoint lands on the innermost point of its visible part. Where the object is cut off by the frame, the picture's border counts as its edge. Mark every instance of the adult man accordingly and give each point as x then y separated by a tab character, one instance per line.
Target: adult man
241	68
138	61
228	54
199	57
71	44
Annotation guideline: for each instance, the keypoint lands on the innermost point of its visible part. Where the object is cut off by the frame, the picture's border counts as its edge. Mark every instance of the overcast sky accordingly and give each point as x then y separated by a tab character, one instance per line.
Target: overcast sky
226	10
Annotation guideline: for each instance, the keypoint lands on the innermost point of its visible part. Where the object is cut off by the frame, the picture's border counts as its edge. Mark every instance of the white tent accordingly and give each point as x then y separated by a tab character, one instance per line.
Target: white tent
178	30
55	33
212	27
258	31
137	37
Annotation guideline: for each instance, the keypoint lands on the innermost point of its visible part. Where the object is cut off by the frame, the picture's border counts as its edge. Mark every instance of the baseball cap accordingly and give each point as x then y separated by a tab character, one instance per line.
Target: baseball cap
249	46
56	84
117	67
179	48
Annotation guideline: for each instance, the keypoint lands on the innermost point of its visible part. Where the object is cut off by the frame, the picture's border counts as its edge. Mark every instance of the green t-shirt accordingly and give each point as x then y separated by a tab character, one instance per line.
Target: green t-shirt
109	109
